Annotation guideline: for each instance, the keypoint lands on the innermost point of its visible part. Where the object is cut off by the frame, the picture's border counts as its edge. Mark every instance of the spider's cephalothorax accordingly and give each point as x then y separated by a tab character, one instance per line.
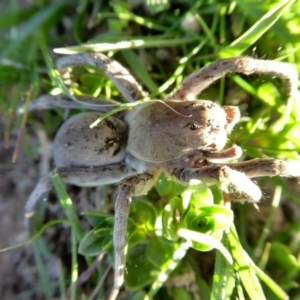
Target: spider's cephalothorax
182	136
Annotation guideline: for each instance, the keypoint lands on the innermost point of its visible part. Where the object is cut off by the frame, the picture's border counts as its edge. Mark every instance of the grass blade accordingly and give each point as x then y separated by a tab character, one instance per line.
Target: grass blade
244	268
247	39
128	44
139	69
68	207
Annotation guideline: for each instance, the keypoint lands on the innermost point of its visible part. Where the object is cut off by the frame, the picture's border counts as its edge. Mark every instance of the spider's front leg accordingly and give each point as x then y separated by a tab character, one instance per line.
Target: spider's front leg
260	167
235	180
237	175
202	79
129	187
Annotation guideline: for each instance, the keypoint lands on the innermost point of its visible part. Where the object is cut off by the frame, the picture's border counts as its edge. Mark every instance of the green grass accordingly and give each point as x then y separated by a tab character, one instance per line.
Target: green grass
265	255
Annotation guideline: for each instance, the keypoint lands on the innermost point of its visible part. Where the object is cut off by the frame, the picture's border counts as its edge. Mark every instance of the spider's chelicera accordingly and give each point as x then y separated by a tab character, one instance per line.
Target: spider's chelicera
182	136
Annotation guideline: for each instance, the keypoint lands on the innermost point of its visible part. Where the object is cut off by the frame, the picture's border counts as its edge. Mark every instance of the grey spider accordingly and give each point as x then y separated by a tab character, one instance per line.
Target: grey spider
182	136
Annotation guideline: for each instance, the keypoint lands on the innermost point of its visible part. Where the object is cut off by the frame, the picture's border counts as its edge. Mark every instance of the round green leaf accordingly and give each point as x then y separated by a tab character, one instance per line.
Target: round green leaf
97	218
93	243
134	278
207	219
159	251
168	186
143	213
197	194
210	220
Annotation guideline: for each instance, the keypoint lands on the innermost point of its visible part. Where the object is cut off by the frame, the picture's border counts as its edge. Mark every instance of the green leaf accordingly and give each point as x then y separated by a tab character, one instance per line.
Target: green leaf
192	212
141	222
168	186
134	266
267	92
144	214
96	218
178	253
95	242
179	293
208	218
281	256
139	295
91	83
197	194
159	251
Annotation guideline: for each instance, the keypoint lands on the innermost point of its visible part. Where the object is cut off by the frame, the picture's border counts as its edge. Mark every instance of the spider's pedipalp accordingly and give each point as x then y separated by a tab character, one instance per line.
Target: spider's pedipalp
225	155
120	76
200	80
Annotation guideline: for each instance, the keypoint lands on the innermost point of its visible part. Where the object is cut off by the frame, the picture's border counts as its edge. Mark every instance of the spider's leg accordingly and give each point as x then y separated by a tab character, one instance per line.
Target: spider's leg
120	76
200	80
268	167
233	179
41	189
80	176
224	155
127	188
62	101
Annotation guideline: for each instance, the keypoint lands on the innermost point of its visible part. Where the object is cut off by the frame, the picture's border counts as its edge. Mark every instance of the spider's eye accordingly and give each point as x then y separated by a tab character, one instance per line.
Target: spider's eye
193	126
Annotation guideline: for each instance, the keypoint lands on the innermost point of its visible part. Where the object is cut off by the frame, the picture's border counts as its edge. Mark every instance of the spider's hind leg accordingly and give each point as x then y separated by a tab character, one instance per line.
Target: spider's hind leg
119	75
64	102
80	176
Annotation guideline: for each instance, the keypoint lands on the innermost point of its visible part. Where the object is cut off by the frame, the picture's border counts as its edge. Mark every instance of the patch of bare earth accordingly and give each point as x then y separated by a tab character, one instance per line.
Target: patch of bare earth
17	180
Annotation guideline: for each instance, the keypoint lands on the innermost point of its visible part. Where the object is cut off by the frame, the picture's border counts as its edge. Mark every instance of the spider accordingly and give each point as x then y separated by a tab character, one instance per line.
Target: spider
181	135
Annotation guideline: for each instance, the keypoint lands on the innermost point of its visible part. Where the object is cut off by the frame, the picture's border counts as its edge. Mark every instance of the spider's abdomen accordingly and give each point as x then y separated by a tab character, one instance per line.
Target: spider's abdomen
76	144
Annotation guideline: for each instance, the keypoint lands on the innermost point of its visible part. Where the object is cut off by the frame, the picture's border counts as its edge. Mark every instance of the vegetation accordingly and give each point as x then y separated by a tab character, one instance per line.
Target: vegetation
161	42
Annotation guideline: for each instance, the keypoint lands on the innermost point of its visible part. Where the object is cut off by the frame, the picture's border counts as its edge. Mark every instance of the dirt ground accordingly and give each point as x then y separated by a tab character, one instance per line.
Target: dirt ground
16	182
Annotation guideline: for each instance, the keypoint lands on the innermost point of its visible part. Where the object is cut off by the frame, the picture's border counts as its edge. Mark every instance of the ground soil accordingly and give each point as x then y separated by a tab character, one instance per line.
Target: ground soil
17	180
